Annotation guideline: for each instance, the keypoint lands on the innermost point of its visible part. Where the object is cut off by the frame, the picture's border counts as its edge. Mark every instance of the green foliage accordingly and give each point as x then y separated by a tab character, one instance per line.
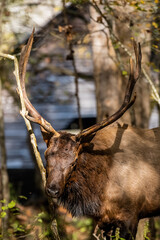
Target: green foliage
83	226
78	1
12	204
18	228
14	227
22	197
74	229
3	214
146	230
124	73
6	207
117	235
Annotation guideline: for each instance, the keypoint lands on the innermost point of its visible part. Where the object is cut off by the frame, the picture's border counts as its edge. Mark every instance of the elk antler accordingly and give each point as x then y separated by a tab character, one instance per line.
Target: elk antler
127	103
32	114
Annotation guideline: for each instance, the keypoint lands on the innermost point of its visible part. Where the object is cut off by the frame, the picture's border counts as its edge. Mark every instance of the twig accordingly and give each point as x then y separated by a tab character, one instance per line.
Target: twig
32	135
77	87
97	235
96	232
154	90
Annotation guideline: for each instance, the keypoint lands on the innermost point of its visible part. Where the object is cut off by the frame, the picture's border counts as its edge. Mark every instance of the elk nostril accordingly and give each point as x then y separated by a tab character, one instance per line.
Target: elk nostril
52	192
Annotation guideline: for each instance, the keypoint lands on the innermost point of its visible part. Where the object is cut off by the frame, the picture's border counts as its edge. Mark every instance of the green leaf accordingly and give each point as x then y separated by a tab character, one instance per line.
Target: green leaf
156	70
83	229
124	73
20	228
154	24
116	46
15	225
23	197
40	220
41	215
46	233
155	46
3	214
4	208
12	204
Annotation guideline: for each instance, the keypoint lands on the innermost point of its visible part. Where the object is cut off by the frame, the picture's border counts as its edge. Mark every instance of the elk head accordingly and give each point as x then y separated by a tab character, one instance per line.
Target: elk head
60	163
63	148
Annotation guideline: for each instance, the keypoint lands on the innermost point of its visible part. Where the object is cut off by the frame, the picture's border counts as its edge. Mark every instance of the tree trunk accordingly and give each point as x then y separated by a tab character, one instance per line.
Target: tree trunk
110	85
4	173
106	71
142	104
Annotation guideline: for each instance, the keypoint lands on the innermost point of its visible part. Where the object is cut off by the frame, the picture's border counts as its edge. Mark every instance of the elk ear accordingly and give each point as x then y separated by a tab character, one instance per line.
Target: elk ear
46	136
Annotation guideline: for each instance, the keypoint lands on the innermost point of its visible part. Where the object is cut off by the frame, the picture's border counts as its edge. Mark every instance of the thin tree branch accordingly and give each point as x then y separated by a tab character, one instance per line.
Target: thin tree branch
32	138
27	122
154	90
76	85
4	184
70	56
4	180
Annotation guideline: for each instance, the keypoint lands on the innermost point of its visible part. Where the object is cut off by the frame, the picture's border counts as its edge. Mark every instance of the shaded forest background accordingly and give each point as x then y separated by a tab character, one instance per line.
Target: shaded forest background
89	42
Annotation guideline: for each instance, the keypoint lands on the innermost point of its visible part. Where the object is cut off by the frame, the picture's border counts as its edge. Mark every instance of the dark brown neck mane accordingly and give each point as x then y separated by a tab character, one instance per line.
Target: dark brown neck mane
79	197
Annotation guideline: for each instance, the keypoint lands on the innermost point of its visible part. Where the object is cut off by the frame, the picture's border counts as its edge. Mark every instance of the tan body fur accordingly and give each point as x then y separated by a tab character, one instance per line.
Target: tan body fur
116	178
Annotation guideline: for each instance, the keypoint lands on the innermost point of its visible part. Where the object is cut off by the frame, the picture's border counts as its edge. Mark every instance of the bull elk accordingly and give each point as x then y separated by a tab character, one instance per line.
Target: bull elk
110	173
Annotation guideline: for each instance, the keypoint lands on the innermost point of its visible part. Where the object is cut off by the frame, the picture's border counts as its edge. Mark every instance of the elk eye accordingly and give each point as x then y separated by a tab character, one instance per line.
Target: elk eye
72	164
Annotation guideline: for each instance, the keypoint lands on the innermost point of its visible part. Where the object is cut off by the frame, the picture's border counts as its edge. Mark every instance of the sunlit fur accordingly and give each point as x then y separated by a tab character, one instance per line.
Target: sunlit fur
116	179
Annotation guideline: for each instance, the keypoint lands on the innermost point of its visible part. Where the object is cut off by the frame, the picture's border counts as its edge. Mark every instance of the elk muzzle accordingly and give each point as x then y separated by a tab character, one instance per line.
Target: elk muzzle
53	190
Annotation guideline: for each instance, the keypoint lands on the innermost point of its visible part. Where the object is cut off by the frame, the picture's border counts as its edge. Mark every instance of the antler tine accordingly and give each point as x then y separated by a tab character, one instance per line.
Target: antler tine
32	114
127	103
